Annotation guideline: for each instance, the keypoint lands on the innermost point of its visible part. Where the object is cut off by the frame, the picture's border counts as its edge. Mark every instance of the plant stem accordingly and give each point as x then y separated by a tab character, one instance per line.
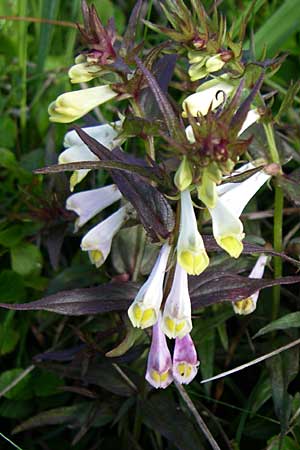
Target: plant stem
278	220
200	422
22	7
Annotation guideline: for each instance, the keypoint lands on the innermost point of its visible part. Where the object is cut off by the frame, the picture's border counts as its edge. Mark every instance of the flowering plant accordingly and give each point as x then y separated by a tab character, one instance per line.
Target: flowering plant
178	171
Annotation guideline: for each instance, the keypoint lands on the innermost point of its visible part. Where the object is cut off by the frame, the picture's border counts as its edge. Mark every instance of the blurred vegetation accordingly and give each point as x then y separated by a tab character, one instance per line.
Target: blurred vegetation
90	404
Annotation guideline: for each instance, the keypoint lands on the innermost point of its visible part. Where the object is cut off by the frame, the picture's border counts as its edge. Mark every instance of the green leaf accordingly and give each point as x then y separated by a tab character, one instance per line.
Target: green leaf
26	259
283	368
206	352
287	443
11	287
11	236
8	339
7	159
74	414
16	409
291	320
46	383
279	27
22	390
8	131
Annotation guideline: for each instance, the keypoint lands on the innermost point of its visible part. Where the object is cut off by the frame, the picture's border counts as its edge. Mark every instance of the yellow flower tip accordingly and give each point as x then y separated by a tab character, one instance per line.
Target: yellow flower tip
193	264
244	307
96	257
231	245
183	177
175	328
159	378
142	318
73	180
184	370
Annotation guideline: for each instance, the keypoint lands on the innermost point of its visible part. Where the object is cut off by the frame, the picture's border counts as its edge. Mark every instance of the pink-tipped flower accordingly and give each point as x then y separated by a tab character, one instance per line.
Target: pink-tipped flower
87	204
176	320
248	305
159	366
185	362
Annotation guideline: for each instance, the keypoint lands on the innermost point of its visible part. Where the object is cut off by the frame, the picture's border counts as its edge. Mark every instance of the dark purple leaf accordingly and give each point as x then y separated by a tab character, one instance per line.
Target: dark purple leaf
60	355
212	246
102	299
103	374
207	289
130	33
165	107
154	211
291	186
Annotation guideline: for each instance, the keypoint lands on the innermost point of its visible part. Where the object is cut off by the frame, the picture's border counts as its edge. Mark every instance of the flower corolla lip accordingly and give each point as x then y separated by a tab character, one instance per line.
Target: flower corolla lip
77	150
144	310
98	240
87	204
72	105
231	201
248	305
191	253
185	361
83	72
176	319
210	96
159	366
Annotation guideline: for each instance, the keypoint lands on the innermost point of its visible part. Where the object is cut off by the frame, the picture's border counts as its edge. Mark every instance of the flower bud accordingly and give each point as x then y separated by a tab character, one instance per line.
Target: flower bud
184	176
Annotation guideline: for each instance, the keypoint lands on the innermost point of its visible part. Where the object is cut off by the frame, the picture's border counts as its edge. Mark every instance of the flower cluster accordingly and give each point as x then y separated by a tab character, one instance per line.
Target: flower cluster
216	116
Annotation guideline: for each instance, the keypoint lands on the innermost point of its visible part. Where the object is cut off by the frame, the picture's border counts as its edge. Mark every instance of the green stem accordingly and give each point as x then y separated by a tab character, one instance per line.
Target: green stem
22	9
278	220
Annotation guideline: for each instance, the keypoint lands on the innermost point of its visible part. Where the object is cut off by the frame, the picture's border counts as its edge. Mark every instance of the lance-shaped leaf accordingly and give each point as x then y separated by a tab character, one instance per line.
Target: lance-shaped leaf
291	320
212	286
212	246
102	299
223	286
154	211
241	114
130	33
291	187
165	107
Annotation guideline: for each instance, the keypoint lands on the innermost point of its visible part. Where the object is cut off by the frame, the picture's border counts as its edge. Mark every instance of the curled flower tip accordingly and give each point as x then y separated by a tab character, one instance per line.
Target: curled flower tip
185	362
145	308
176	319
73	105
88	204
184	176
208	96
191	254
248	305
159	366
98	240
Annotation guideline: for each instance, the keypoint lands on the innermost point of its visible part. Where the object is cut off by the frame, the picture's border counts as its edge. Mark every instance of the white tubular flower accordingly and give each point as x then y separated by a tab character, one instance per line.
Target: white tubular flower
227	227
144	311
185	361
176	320
252	117
77	151
87	204
99	239
208	96
191	254
159	366
248	305
83	72
73	105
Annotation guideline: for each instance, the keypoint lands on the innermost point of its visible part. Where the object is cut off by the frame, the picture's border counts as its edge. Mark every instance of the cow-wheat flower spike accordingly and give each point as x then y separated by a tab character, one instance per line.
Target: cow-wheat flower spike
159	366
191	254
176	319
185	361
87	204
144	311
248	305
75	104
98	240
